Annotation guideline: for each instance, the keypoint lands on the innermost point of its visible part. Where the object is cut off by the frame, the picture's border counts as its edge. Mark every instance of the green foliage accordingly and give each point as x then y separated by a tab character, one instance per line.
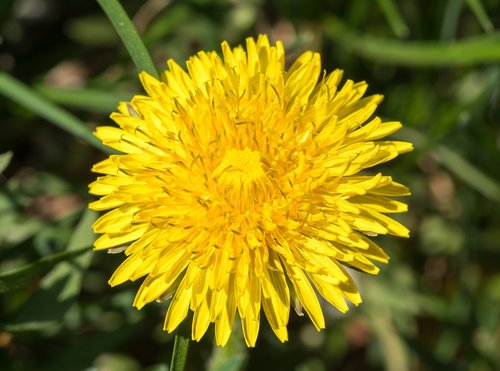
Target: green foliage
435	306
23	95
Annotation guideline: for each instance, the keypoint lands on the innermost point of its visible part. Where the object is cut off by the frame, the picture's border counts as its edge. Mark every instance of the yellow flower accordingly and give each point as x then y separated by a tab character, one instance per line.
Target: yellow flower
241	188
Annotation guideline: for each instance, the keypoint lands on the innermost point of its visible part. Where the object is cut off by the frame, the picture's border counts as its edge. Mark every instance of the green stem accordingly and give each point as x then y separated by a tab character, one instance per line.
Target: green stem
181	345
127	32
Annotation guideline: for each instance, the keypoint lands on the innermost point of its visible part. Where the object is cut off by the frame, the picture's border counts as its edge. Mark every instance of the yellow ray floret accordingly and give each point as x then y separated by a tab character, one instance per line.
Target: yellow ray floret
241	189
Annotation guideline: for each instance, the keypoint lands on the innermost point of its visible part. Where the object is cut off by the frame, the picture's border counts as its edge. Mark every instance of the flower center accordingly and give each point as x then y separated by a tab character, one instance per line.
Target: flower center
239	167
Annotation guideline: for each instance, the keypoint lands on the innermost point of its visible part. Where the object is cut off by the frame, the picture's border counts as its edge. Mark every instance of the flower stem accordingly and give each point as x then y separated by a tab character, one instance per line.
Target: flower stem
181	345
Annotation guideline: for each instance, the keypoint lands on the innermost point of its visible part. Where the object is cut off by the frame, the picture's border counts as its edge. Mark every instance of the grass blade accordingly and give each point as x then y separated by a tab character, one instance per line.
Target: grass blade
450	19
394	18
482	17
468	173
59	288
92	100
455	163
471	51
131	39
26	97
15	278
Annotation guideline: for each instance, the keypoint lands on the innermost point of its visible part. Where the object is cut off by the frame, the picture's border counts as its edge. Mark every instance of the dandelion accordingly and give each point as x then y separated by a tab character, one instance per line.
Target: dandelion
242	188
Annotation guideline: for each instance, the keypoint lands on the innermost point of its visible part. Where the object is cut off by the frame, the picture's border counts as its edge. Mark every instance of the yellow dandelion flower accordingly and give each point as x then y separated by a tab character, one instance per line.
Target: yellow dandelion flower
241	189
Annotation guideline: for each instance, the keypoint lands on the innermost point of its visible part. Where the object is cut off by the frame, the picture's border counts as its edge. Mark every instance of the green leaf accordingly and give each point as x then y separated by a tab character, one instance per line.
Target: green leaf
470	51
5	160
130	38
15	228
23	95
60	287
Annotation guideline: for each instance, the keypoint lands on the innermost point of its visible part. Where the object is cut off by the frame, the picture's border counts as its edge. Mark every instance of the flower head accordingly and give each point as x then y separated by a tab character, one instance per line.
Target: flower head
241	189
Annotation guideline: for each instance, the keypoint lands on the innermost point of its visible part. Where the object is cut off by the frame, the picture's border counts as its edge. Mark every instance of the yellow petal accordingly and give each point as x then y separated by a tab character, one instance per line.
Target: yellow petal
224	323
178	309
306	295
116	239
330	292
200	321
250	327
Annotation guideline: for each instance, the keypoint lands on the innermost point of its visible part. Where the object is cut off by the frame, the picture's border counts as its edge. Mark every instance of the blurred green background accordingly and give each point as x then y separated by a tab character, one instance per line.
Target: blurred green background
436	306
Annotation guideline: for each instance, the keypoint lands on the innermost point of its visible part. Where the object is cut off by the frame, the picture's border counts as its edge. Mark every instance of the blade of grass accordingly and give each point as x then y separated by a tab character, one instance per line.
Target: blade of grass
358	12
15	90
394	18
58	290
393	348
450	19
459	166
166	22
15	278
80	243
468	173
476	6
127	32
92	100
471	51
